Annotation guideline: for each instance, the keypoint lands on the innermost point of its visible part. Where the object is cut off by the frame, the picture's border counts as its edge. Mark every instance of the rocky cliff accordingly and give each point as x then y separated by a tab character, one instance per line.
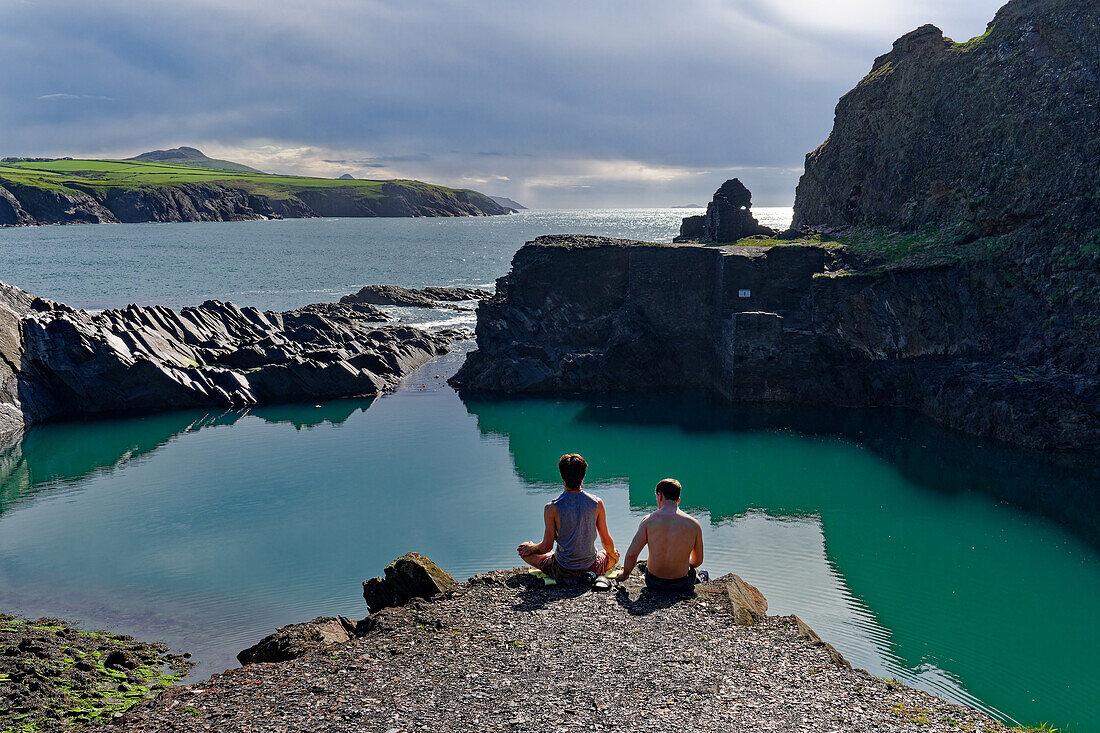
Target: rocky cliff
791	324
60	363
995	133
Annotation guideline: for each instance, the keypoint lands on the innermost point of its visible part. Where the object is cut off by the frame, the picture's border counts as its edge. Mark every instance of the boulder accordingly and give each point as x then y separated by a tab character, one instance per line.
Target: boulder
409	576
295	640
746	602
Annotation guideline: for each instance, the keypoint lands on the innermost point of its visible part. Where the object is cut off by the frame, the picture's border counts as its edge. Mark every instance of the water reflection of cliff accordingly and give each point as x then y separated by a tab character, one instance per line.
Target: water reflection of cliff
57	454
1062	487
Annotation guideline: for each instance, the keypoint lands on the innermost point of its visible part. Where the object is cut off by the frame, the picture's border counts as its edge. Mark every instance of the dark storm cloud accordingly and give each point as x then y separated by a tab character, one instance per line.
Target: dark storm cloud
557	93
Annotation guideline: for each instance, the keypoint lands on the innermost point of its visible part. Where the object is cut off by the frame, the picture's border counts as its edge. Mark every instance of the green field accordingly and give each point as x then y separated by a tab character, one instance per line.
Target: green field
102	175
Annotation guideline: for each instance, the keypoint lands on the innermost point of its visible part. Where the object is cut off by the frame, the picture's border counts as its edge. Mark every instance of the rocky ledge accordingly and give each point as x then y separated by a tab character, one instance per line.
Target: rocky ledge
430	297
974	344
60	363
505	652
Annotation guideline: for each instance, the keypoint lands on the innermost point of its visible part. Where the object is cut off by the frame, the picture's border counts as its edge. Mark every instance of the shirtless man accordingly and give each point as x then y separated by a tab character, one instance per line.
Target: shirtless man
675	544
572	521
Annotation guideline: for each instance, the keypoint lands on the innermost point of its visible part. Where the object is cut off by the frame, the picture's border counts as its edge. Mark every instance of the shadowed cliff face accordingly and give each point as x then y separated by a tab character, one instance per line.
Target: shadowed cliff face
788	324
997	132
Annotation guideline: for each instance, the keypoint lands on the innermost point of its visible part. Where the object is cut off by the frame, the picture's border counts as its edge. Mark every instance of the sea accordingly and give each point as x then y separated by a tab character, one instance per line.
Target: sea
959	566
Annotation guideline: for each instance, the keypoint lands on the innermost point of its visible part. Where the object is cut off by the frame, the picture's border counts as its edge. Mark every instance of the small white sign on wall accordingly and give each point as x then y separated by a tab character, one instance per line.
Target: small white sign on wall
744	293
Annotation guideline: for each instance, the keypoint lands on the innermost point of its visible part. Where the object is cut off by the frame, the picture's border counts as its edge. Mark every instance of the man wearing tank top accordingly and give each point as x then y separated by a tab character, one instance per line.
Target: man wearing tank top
675	542
573	521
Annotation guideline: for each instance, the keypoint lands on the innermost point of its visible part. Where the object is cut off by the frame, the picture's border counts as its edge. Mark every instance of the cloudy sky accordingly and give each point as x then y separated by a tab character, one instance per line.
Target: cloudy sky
556	103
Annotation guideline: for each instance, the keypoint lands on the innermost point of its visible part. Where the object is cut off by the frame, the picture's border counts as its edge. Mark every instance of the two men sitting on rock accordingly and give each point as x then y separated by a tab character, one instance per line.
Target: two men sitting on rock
675	542
575	518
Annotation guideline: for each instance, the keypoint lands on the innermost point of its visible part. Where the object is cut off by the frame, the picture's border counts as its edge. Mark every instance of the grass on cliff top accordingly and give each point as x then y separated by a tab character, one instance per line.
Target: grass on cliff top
975	41
883	249
104	175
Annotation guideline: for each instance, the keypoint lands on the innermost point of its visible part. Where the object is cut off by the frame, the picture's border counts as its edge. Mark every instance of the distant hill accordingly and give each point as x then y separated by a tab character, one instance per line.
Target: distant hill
346	177
192	156
508	203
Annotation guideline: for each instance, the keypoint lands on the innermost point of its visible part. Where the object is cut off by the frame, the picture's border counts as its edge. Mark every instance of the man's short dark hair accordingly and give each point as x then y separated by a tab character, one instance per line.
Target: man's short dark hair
572	468
670	489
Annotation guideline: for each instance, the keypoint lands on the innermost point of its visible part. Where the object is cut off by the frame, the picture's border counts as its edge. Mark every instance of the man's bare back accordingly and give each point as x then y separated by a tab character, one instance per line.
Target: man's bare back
675	543
672	537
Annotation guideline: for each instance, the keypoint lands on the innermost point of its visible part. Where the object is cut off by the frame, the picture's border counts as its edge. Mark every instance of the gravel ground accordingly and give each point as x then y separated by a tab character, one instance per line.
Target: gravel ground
506	653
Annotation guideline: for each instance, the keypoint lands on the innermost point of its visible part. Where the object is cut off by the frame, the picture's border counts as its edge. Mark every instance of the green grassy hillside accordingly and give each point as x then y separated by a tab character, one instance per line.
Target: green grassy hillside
103	175
105	181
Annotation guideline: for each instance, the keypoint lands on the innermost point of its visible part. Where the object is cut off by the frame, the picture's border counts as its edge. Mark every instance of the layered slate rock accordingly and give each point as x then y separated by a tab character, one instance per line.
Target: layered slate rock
430	297
728	218
410	576
62	363
996	133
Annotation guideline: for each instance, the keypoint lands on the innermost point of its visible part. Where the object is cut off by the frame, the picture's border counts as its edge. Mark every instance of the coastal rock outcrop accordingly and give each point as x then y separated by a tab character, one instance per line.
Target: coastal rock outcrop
995	133
728	218
791	324
429	297
61	363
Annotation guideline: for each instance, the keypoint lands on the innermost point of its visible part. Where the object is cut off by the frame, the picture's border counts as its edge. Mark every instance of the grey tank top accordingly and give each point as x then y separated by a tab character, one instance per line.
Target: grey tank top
576	530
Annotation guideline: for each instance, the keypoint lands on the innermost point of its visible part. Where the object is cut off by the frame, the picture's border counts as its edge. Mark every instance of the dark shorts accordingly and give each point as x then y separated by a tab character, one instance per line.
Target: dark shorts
680	585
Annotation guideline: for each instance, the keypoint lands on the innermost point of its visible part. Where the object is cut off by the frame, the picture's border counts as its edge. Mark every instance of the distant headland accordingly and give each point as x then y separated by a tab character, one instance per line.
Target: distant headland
183	184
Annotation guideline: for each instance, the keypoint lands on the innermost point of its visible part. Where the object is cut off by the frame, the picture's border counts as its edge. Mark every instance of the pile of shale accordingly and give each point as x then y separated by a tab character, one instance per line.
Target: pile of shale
504	652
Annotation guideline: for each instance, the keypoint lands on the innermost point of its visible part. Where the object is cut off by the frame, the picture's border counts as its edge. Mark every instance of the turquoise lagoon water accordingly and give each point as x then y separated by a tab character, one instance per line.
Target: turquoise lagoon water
962	567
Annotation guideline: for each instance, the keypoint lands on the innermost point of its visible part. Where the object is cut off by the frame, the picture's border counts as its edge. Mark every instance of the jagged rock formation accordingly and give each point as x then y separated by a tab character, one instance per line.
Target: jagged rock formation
728	218
430	297
995	133
787	324
62	363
